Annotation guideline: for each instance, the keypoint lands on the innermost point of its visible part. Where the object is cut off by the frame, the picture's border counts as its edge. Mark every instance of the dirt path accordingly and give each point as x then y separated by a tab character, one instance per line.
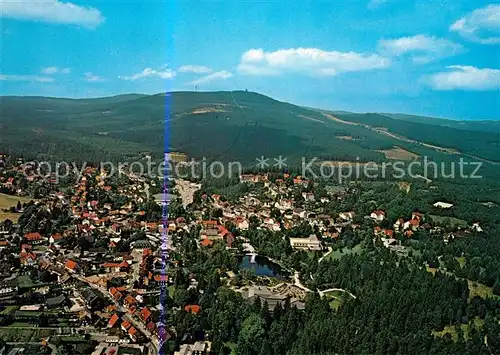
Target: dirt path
330	250
322	293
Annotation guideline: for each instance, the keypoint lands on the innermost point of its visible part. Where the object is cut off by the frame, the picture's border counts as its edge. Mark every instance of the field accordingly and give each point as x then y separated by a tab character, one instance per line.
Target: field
7	201
478	289
454	221
335	298
337	254
398	153
475	288
10	334
478	323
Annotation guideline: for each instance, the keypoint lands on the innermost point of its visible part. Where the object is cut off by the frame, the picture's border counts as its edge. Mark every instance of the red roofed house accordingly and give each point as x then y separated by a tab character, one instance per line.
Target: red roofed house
378	215
71	265
412	224
55	238
132	332
207	242
112	321
192	308
209	224
151	327
9	182
125	325
117	295
129	301
145	314
27	259
161	279
416	215
33	238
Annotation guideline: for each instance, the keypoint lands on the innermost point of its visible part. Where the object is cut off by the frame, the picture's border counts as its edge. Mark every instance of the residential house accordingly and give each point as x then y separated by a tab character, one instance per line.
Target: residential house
33	238
242	223
192	308
198	348
71	266
398	225
113	320
308	196
378	215
412	224
8	290
347	216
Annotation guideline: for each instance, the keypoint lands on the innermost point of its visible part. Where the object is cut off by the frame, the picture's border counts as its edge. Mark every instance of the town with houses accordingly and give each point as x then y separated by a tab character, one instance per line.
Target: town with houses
81	263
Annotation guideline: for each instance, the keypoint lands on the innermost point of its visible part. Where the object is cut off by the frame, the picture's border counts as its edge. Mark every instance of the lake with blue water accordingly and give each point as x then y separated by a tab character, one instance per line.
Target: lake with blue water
262	266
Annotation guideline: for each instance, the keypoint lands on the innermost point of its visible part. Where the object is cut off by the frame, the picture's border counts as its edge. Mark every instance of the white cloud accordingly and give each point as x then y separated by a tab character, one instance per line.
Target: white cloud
40	79
481	25
422	48
149	72
55	70
220	75
462	77
91	78
196	69
309	61
52	11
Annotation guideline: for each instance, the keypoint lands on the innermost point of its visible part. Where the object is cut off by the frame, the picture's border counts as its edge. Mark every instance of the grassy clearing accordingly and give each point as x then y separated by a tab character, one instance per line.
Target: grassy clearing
335	304
25	281
452	331
475	288
452	220
231	346
461	261
399	153
478	289
337	254
8	201
9	310
25	335
335	298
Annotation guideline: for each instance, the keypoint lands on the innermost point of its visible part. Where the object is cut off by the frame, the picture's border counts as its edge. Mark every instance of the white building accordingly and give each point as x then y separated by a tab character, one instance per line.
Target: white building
440	204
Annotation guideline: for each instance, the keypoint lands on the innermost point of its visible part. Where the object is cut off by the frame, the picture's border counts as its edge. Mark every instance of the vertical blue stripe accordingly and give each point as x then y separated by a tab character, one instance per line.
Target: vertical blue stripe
163	326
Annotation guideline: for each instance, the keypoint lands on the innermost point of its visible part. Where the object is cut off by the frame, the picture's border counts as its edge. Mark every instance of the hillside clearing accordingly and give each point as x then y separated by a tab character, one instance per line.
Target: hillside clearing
8	201
337	254
202	110
399	153
346	138
457	222
451	330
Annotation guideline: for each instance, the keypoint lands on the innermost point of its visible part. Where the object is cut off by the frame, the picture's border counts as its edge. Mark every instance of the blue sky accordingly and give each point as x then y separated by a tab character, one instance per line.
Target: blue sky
439	58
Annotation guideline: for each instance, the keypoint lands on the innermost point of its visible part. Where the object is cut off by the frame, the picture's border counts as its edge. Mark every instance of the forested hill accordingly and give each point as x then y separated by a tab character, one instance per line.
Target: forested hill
228	126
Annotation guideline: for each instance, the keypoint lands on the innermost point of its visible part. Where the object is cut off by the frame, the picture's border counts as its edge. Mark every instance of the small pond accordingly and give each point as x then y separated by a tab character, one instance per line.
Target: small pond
262	266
